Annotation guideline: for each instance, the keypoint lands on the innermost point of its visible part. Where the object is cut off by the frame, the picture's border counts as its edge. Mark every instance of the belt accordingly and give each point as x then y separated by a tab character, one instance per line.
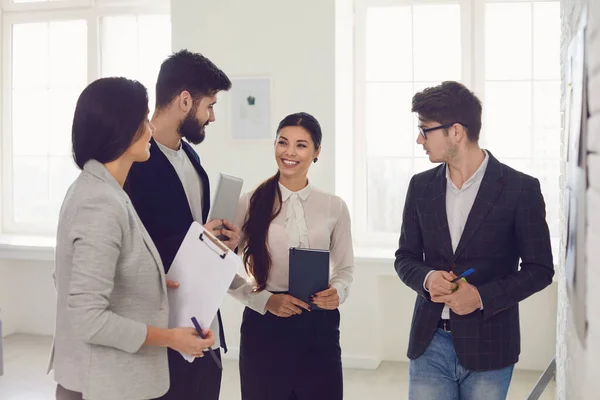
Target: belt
444	324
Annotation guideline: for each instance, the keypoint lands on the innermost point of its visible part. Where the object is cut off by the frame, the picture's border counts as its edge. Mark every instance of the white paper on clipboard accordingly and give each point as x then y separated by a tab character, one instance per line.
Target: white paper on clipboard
204	268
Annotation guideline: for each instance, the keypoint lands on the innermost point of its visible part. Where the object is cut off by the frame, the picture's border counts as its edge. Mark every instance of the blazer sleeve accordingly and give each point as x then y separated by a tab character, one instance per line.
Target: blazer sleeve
96	233
409	257
535	251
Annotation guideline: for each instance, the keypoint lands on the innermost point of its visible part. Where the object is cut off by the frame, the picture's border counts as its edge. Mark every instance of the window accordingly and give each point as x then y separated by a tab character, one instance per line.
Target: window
51	51
403	46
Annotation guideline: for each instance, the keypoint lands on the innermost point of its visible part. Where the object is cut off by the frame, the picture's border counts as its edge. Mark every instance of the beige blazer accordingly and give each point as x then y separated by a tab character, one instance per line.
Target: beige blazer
110	285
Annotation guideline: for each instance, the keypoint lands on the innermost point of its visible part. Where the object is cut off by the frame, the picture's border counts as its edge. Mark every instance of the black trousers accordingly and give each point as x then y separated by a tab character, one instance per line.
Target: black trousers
291	358
198	380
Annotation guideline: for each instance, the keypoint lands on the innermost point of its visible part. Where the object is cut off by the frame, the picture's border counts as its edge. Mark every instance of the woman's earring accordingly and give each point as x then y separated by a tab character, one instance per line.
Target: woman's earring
315	160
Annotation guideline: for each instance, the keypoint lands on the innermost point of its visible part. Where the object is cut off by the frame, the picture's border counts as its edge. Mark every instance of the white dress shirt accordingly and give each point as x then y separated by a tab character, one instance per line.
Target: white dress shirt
309	218
193	191
458	206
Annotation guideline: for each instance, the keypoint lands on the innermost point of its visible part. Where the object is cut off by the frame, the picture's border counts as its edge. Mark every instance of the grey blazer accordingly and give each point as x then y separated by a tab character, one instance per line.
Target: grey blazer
110	285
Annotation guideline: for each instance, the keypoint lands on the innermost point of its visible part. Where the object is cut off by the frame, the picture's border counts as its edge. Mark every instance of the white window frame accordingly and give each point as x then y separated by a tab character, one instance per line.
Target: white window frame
351	157
92	11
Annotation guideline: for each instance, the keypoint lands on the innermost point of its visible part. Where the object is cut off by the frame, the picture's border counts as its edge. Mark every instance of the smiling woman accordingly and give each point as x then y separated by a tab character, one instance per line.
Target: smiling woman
286	211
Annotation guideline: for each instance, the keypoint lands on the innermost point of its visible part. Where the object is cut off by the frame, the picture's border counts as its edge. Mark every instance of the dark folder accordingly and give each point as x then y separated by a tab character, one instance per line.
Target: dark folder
309	273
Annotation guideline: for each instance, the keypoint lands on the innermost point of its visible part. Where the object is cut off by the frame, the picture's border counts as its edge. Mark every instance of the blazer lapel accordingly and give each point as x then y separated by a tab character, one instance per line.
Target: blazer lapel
152	248
436	191
100	171
193	156
491	186
168	179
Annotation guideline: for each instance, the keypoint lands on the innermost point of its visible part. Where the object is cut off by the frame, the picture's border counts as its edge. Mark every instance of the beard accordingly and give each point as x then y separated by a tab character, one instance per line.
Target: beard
192	129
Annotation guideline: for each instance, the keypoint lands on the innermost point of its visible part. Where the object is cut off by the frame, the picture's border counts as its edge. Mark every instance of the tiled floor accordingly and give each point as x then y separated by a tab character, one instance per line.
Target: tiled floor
26	356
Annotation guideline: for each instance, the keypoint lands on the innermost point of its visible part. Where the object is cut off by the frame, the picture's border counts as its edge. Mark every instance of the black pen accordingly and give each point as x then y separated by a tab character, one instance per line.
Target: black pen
212	353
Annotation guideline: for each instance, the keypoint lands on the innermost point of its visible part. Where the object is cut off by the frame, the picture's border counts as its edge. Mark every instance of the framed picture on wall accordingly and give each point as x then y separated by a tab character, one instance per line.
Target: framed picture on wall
251	108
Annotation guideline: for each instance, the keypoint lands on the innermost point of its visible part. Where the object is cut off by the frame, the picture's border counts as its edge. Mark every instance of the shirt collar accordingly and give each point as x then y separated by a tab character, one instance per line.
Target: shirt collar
169	151
477	176
302	193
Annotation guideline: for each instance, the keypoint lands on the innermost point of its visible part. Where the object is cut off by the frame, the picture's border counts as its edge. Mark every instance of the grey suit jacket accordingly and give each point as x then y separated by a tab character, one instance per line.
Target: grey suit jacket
110	285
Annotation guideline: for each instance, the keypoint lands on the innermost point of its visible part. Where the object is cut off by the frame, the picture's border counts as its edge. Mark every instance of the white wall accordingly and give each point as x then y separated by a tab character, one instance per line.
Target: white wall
27	297
295	46
578	366
293	43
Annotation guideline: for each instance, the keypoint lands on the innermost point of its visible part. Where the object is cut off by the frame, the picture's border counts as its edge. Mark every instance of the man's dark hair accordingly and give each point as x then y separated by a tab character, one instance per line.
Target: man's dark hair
108	118
189	71
449	103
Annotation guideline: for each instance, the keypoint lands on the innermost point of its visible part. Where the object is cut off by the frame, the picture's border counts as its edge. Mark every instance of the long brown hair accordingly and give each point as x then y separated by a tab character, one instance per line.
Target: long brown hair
265	206
261	213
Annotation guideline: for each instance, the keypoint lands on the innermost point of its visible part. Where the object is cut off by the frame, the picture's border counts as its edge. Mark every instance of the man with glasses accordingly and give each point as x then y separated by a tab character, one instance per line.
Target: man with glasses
475	216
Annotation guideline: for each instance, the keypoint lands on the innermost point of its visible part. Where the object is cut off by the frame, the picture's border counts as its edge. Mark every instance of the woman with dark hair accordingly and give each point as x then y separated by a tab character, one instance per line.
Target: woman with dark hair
287	350
112	311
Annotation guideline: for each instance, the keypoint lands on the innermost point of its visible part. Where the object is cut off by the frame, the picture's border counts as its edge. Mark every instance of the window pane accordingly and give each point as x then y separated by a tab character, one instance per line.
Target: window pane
546	40
546	119
30	124
62	107
388	183
154	46
30	201
68	54
421	164
49	73
135	47
389	126
63	171
508	41
437	39
30	56
507	126
119	46
389	44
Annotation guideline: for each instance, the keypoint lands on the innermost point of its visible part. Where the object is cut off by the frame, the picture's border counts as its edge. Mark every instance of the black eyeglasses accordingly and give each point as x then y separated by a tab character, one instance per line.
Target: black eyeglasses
425	131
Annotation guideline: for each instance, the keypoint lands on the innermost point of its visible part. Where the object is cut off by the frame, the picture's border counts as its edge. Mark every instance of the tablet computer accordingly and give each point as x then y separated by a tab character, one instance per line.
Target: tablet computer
226	199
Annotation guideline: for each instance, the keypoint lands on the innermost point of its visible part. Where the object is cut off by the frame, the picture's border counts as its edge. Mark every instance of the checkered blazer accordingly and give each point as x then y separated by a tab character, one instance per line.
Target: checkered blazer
507	222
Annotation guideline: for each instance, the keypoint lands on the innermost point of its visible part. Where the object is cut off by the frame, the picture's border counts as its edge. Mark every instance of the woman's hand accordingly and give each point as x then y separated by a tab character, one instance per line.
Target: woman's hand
284	305
187	340
327	299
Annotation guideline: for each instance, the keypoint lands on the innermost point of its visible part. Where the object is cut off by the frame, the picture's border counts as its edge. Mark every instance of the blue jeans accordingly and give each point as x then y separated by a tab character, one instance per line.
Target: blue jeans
437	375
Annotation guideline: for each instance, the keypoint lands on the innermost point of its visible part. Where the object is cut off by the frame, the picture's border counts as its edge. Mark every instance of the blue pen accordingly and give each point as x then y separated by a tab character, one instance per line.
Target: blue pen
212	353
464	274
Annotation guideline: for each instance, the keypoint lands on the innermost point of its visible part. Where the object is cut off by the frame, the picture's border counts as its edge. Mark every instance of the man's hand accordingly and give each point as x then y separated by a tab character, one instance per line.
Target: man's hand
327	299
232	232
464	301
439	283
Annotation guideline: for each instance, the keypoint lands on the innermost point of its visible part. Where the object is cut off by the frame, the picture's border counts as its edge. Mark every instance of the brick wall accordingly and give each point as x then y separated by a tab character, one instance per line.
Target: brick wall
578	373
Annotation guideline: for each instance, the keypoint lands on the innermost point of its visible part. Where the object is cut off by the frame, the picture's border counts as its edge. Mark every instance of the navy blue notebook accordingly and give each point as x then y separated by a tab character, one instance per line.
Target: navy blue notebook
309	273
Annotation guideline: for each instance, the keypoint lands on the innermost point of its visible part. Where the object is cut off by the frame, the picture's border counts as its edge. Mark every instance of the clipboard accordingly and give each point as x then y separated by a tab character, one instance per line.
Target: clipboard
204	268
309	273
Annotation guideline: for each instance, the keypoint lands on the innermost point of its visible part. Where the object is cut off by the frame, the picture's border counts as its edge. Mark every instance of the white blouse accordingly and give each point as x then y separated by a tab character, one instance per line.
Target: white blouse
309	218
